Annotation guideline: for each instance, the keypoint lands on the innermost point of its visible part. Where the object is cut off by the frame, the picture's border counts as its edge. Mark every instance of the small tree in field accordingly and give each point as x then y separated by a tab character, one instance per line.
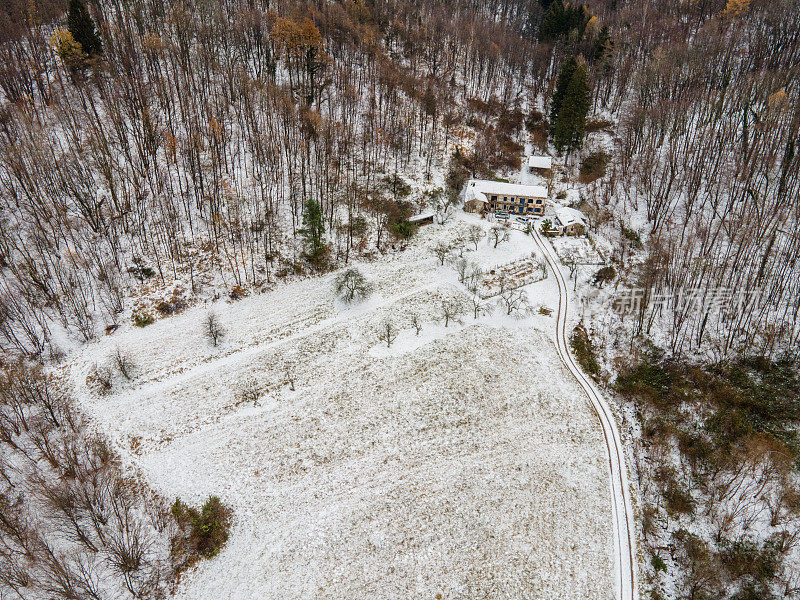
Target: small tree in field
475	234
213	329
416	323
497	235
512	297
124	364
352	286
387	333
451	310
442	251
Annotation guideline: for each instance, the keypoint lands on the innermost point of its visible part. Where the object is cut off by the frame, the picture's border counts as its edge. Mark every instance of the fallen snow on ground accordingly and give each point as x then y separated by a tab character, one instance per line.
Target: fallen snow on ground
463	461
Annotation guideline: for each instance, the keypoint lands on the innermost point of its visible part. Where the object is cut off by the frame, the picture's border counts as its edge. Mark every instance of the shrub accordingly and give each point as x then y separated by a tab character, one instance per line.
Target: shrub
174	305
142	319
594	166
632	236
658	563
237	293
206	530
404	230
584	352
604	275
99	380
593	125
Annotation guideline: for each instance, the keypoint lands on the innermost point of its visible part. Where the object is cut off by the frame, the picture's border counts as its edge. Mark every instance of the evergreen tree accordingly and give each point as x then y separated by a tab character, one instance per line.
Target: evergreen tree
561	19
82	28
564	79
570	125
313	231
602	45
552	22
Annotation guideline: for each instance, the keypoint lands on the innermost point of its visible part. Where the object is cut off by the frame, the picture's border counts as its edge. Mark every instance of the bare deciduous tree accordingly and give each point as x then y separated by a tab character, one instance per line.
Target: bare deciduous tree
124	364
498	234
451	309
475	234
416	323
442	251
387	332
213	330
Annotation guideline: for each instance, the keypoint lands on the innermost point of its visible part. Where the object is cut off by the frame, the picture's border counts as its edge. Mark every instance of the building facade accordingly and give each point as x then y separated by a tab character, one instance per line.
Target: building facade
483	195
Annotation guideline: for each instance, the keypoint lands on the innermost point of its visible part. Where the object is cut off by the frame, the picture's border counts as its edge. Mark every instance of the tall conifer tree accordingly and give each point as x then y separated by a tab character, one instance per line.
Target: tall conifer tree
564	79
82	28
570	125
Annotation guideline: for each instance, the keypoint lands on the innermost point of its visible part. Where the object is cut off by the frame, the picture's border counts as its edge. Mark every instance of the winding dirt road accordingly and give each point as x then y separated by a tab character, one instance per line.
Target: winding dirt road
624	535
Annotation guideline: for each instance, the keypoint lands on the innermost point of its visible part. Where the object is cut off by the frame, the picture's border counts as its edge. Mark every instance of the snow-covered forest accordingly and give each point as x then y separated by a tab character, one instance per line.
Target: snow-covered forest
188	147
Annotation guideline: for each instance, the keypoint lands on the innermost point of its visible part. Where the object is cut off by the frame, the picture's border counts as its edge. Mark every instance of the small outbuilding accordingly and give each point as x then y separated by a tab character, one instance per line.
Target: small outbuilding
423	218
540	163
570	221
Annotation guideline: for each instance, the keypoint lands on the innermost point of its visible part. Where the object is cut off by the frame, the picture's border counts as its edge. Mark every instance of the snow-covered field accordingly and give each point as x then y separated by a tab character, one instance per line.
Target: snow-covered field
463	461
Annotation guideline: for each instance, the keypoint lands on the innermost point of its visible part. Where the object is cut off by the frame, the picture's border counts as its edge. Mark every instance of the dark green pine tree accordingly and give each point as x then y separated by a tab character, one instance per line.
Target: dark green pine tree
602	45
570	125
552	26
564	78
82	28
313	232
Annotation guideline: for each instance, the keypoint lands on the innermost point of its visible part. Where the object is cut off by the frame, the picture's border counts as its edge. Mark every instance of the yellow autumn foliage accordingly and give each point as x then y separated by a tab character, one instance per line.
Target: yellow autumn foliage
736	7
65	45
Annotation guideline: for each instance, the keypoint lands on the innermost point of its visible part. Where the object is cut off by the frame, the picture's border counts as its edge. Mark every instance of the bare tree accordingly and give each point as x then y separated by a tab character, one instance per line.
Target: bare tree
451	309
462	267
442	251
416	323
249	390
387	332
498	234
512	297
213	329
477	304
124	364
351	285
475	234
473	279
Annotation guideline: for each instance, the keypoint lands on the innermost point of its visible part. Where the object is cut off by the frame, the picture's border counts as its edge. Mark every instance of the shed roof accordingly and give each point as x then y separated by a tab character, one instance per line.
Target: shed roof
540	162
423	216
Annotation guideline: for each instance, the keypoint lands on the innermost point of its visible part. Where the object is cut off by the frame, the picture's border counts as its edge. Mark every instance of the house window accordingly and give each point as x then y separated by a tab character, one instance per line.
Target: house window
494	198
539	201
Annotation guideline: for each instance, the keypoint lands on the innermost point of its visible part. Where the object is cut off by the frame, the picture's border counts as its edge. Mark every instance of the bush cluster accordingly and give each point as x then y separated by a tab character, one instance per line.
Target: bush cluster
204	531
584	351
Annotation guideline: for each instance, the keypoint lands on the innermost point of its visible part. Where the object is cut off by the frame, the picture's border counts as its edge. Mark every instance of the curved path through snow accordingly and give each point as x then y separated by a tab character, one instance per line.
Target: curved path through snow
624	536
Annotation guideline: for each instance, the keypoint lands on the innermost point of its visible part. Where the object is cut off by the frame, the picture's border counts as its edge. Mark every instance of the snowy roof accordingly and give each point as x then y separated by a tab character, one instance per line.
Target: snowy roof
479	196
540	162
501	188
428	214
569	216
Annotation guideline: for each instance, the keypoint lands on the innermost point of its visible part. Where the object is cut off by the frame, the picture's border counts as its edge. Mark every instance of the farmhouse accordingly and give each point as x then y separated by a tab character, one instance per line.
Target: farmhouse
482	195
540	163
570	221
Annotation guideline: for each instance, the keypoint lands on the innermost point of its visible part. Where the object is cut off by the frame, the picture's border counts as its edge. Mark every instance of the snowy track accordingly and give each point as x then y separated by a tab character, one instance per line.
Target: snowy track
624	536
